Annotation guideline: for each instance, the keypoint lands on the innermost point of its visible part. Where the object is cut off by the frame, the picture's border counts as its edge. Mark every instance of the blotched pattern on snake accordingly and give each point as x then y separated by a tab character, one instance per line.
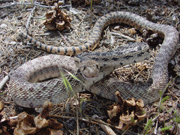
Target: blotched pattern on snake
93	66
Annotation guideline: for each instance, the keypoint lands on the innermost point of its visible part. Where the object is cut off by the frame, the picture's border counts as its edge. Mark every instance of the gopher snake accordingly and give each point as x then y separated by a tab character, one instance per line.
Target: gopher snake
28	93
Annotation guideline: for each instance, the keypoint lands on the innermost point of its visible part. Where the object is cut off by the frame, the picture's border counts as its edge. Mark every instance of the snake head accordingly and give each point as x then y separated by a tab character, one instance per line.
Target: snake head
89	68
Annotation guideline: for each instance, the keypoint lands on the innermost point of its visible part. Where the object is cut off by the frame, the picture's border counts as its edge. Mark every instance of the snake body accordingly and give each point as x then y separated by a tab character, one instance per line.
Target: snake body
27	92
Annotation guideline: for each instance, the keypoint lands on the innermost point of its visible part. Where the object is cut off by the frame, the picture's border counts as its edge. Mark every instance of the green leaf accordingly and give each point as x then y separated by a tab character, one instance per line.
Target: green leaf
67	84
164	99
73	76
160	92
148	126
177	119
132	119
166	128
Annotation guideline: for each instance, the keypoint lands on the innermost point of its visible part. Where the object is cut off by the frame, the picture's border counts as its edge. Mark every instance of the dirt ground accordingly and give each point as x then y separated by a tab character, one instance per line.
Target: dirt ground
161	118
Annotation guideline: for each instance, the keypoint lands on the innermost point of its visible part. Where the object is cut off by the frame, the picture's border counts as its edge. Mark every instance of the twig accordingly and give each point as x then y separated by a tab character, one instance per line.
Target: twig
30	17
35	4
10	118
107	129
64	39
143	68
2	83
4	1
77	120
6	6
3	64
156	128
124	36
89	120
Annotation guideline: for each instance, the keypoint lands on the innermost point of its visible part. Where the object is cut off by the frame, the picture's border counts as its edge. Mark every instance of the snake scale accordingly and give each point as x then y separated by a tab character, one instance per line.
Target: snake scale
28	88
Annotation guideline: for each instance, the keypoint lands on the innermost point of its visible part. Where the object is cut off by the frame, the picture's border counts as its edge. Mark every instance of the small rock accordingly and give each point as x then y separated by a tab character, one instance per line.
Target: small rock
3	25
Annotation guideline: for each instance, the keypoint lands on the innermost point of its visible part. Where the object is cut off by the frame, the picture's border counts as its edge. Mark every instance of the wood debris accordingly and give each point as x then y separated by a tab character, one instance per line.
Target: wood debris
127	112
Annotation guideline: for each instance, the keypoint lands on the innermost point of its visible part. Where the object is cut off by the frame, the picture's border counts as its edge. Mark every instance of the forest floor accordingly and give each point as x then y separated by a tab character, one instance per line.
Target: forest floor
88	116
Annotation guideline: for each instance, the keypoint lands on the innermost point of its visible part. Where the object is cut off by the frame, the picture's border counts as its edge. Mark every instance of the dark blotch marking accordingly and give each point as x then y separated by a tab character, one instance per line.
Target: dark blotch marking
139	48
115	59
58	50
40	45
71	79
31	89
49	97
118	53
121	64
86	46
80	47
104	75
140	54
51	49
84	68
105	59
74	50
44	88
96	59
45	47
65	51
78	71
127	57
30	40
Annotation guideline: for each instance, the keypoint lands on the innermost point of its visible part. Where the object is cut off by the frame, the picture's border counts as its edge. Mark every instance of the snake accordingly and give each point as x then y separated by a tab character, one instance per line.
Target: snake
41	79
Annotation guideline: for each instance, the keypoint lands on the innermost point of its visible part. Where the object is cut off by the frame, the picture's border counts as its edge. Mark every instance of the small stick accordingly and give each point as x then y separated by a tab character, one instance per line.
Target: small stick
30	17
124	36
35	4
107	129
64	39
3	82
4	1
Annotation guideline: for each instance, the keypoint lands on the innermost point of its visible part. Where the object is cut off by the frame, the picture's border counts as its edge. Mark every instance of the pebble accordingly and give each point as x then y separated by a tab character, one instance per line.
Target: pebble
3	25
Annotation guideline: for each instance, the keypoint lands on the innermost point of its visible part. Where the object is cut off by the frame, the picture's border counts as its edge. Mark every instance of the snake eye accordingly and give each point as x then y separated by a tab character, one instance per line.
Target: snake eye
76	61
85	67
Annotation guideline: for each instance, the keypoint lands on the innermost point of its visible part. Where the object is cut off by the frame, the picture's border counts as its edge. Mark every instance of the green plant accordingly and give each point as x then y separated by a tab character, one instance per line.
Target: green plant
166	128
91	5
67	85
177	119
148	126
70	92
